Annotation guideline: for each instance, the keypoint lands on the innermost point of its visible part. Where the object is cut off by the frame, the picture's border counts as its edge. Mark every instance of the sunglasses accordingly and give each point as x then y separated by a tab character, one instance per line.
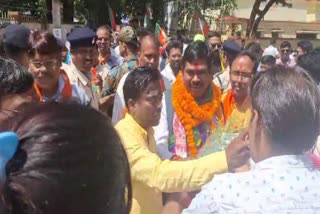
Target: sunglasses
285	50
216	46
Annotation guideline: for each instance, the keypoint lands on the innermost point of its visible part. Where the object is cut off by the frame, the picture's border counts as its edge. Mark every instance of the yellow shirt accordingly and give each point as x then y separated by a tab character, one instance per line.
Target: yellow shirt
151	176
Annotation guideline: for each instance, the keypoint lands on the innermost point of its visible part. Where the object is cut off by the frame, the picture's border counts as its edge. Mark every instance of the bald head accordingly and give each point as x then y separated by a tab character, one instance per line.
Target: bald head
149	51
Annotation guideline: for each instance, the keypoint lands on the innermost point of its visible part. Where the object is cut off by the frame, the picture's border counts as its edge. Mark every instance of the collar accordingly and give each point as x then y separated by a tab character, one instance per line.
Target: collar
136	128
284	162
83	79
58	93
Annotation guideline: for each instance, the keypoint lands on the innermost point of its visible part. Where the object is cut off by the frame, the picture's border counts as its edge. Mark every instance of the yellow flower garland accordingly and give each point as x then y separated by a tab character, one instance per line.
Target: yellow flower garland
191	114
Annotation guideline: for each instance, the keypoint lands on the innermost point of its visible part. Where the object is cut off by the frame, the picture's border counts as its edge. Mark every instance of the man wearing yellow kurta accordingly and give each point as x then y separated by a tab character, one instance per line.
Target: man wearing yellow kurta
236	102
150	175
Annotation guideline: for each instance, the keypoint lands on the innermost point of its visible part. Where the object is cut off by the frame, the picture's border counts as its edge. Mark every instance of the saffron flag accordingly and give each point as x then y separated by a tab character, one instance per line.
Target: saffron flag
112	18
202	25
160	34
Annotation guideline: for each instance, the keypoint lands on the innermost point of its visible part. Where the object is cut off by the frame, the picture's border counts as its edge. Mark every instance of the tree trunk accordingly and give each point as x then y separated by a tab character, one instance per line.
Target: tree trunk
254	12
253	23
49	10
68	11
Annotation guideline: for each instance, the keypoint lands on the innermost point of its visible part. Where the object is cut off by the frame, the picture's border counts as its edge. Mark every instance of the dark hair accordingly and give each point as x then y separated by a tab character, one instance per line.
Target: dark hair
285	44
44	43
287	100
174	44
63	165
310	62
214	34
142	32
14	78
305	45
252	58
255	49
268	60
137	81
13	52
195	51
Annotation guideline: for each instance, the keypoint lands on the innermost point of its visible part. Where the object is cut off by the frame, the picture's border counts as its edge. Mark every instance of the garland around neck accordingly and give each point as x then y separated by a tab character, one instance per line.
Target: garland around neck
191	114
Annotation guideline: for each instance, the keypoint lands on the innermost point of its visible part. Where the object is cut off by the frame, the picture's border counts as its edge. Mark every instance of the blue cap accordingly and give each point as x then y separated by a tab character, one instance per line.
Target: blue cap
81	37
17	36
231	47
8	146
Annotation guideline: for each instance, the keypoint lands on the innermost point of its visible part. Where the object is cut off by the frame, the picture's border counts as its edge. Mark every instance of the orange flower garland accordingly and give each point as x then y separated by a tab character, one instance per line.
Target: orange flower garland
191	114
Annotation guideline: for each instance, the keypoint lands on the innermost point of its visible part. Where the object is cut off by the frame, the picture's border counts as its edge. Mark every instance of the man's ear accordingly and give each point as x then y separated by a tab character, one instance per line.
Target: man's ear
131	105
256	119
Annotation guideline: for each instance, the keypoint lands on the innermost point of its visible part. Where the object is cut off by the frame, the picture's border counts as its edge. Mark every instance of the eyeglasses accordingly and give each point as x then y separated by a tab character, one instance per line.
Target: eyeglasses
216	46
244	75
285	50
49	64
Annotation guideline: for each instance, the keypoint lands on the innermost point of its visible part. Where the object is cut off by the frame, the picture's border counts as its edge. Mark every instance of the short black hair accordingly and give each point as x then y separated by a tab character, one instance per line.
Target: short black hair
255	49
310	62
287	100
285	44
138	80
13	52
195	51
251	56
214	34
268	60
174	44
82	167
305	45
14	78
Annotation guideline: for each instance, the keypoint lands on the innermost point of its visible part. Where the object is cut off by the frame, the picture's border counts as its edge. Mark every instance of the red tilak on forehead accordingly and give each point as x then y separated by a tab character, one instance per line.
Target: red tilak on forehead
197	67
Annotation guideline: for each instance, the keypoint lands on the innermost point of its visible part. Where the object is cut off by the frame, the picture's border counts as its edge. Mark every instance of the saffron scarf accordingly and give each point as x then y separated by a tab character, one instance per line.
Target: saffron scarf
66	92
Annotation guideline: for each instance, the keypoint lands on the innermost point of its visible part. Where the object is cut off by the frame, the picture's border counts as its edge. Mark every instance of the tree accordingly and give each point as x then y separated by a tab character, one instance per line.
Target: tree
257	14
187	9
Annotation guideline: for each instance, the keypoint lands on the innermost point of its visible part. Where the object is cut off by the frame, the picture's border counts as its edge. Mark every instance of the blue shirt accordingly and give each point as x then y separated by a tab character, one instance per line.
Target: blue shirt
78	94
283	184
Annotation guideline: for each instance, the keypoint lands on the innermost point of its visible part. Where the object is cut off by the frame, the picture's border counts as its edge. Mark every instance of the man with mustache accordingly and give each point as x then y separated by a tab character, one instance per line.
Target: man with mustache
286	57
194	110
83	56
236	102
148	55
214	40
149	174
106	54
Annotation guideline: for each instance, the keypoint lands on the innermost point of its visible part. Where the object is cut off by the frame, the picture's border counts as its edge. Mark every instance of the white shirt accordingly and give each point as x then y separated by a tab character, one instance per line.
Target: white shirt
168	74
119	105
271	50
222	80
283	184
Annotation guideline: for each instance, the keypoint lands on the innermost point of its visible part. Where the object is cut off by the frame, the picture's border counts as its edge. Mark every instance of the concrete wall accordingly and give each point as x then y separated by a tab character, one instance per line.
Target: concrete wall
64	29
301	11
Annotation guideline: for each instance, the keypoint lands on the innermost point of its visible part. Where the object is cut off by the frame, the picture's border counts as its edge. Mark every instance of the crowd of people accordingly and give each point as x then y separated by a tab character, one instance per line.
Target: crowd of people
93	126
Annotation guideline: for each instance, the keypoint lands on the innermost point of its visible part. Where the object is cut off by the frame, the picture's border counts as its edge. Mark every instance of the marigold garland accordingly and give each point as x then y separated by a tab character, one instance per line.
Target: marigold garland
191	114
